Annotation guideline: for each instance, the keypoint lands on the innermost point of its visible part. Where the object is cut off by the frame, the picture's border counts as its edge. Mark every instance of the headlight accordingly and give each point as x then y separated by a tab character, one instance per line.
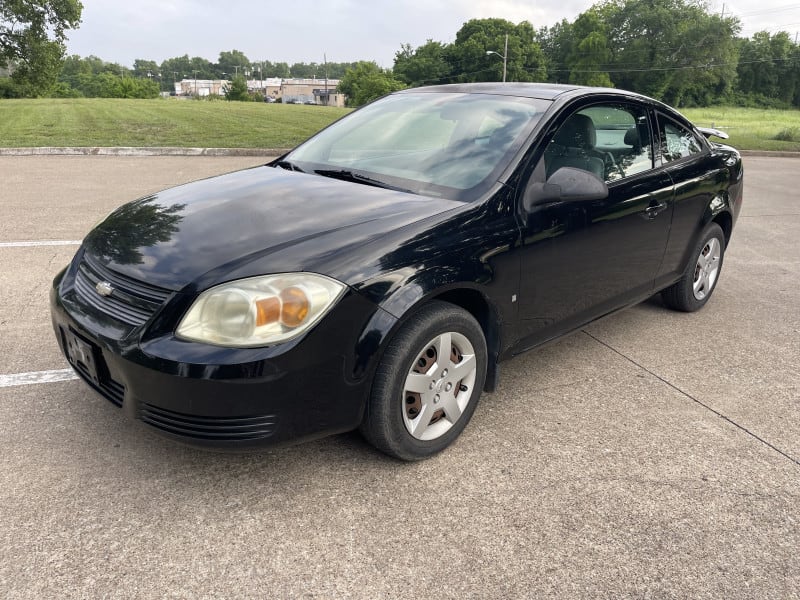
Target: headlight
259	311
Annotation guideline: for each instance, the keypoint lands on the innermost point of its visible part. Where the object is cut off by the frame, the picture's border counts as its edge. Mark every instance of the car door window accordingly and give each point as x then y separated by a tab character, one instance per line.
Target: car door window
677	141
610	140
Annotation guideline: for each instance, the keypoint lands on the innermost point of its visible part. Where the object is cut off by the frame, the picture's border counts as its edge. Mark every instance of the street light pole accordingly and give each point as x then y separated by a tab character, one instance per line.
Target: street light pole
503	56
505	59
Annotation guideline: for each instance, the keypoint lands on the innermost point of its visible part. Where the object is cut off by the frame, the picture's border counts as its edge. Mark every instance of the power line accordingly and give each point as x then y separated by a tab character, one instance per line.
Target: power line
775	29
770	10
643	69
681	68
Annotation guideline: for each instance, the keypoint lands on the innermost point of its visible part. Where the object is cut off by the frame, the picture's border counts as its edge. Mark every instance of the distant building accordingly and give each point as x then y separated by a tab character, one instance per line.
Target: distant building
269	87
273	89
311	91
201	87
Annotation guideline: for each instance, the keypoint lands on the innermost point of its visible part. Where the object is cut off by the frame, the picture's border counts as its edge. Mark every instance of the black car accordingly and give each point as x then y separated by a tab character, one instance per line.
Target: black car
376	276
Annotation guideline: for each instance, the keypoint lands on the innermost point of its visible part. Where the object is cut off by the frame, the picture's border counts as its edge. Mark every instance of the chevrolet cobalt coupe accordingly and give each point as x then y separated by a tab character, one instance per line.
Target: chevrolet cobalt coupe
375	276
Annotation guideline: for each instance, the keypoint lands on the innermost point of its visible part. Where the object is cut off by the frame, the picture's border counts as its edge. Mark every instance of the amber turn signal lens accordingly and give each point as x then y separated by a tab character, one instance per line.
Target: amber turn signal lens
295	306
268	310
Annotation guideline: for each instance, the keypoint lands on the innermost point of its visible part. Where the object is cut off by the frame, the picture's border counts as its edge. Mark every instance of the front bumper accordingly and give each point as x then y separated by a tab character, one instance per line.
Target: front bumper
205	395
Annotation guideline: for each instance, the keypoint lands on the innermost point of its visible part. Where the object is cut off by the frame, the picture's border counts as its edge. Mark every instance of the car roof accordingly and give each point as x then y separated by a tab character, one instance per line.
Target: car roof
544	91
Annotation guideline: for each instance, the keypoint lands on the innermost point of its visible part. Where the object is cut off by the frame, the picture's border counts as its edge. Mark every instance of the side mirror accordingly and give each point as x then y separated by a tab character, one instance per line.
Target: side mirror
566	184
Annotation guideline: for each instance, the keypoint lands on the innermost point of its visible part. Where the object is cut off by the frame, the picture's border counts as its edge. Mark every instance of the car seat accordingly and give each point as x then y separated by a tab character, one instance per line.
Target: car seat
573	146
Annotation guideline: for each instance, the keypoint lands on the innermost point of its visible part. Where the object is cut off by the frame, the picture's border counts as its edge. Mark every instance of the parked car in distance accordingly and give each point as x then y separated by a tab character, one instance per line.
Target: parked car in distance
377	275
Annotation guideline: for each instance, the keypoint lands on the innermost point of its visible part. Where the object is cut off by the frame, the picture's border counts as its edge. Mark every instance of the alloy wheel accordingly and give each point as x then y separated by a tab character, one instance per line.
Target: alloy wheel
707	269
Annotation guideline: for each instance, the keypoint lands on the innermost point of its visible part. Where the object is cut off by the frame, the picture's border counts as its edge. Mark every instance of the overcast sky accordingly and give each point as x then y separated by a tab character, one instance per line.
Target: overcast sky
345	30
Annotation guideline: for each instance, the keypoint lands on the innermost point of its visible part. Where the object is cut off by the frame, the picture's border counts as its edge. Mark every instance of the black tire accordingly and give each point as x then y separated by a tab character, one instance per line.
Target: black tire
390	416
682	294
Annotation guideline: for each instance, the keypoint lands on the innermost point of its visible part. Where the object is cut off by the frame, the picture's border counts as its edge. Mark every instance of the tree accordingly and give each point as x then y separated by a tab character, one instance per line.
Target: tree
590	54
366	82
304	70
237	89
673	50
32	36
424	66
794	65
231	63
301	70
183	67
768	68
468	54
145	68
279	69
94	78
336	70
556	43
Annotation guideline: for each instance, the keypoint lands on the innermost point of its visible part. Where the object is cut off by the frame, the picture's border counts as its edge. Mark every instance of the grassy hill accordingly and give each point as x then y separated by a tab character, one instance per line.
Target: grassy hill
187	123
180	123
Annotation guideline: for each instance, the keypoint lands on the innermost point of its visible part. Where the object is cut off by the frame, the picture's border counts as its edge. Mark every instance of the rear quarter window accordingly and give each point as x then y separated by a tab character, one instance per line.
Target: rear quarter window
677	141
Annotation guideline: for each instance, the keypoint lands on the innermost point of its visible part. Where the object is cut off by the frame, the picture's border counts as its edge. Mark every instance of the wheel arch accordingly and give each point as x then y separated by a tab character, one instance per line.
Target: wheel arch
395	311
725	220
476	304
719	211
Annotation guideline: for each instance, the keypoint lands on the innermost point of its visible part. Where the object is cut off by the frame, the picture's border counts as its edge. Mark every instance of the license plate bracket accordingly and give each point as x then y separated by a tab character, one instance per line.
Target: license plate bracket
82	355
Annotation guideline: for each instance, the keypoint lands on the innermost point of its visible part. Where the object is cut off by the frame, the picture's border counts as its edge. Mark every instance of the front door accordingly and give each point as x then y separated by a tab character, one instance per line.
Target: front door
582	259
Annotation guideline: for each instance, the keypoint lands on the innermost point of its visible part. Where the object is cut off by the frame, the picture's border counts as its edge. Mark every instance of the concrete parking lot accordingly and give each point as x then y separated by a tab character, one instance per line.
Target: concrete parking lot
654	455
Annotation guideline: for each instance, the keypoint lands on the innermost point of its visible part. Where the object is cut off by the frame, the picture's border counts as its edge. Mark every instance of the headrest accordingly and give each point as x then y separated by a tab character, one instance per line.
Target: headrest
632	137
577	132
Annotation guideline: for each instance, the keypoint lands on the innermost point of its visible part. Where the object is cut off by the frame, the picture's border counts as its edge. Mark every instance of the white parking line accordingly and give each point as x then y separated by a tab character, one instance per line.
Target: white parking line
40	243
37	377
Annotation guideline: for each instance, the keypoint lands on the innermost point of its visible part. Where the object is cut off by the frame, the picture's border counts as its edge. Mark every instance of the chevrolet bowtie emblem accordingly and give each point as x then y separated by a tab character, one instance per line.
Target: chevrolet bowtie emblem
104	288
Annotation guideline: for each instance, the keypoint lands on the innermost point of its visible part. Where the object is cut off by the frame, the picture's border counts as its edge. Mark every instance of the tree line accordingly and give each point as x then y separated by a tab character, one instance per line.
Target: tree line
92	77
673	50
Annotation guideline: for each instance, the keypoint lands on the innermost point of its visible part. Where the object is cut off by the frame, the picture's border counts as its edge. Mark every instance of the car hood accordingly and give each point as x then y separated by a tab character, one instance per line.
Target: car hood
202	231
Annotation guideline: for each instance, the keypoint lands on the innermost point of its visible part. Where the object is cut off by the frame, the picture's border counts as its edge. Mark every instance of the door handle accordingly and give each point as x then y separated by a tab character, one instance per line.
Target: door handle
653	210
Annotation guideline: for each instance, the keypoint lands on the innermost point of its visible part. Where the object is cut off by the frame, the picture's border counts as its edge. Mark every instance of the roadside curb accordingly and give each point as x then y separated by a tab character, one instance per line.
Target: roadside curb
267	152
773	153
134	151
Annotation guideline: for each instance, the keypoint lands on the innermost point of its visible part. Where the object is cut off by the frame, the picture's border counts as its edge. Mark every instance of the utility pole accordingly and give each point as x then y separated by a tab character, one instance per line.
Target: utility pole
723	10
505	59
325	60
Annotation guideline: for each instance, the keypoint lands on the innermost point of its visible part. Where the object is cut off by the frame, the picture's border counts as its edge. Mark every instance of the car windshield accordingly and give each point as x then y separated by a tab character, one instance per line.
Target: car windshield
449	145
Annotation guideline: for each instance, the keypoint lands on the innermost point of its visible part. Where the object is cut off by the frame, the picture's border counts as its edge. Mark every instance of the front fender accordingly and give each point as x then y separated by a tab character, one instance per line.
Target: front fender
403	292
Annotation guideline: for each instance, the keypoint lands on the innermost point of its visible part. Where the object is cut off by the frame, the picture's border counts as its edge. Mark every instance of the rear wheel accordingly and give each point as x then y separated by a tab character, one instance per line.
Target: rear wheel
696	285
428	383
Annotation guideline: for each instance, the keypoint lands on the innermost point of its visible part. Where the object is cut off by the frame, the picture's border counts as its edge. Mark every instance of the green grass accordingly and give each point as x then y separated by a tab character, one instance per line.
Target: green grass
162	122
187	123
750	128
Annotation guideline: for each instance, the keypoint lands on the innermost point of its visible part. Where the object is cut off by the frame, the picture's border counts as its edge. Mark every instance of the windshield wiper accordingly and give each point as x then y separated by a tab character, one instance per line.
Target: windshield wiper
346	175
289	166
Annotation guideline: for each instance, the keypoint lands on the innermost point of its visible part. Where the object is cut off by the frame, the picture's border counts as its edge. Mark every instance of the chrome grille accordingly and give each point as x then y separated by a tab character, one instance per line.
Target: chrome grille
131	301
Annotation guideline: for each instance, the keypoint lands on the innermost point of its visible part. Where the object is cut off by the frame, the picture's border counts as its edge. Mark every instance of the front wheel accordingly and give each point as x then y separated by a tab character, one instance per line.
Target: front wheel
694	288
427	384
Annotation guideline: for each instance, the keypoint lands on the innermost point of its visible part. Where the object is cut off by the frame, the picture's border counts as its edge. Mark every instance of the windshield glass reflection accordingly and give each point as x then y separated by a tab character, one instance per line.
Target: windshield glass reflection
450	145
